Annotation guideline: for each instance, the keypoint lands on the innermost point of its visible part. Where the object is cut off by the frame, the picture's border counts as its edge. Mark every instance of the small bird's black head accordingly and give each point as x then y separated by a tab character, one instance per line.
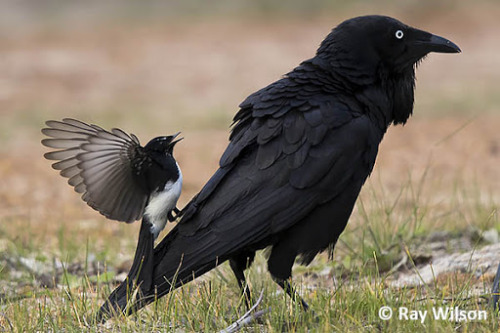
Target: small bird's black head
372	41
162	144
163	168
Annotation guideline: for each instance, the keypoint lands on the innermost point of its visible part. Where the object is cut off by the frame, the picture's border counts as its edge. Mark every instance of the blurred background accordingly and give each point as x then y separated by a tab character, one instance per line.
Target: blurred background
157	67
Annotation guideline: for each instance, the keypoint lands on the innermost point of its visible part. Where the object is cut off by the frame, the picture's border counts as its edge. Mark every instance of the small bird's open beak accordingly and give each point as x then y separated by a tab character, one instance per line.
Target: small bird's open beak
174	136
434	43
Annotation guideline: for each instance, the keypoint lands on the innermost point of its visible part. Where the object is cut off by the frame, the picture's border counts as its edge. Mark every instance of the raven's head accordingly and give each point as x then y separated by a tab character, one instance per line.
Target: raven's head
372	43
379	51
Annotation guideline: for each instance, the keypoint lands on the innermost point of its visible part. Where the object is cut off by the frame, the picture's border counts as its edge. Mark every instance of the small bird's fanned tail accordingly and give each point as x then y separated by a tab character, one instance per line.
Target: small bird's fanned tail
140	275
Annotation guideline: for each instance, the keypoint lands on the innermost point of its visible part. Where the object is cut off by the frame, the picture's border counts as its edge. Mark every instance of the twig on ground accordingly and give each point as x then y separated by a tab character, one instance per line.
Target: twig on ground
247	318
451	299
7	320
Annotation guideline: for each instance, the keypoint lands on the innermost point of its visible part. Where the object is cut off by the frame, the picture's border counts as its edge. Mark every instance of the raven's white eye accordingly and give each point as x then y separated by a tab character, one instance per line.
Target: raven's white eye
399	34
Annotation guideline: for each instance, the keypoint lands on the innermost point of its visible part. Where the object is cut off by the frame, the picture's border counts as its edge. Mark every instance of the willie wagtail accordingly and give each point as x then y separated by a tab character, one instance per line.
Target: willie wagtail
120	179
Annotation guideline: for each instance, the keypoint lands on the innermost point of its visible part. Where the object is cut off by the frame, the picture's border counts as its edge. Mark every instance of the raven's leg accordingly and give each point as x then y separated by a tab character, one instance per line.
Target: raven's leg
290	290
495	290
280	264
238	264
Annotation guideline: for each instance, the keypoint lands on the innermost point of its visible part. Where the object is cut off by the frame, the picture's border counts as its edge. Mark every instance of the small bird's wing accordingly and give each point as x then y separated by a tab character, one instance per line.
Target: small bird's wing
101	165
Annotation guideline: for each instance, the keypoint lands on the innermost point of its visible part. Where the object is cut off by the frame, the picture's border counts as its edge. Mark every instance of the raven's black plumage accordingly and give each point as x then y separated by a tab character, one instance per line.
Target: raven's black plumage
299	153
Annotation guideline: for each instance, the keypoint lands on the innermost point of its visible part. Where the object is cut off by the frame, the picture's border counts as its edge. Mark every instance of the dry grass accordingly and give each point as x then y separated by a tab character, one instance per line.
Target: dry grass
158	78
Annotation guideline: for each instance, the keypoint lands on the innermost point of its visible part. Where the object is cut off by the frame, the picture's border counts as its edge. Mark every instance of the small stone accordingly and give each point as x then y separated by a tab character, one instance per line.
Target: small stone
491	236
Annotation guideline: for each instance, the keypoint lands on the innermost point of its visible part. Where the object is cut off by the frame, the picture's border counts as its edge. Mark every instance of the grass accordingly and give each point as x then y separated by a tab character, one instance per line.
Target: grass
212	305
345	294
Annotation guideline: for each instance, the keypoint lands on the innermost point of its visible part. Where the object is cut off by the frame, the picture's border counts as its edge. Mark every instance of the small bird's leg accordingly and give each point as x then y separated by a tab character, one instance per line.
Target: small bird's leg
290	290
171	217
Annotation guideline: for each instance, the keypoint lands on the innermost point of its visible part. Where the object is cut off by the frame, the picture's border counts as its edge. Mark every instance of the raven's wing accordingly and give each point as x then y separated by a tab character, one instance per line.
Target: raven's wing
293	148
99	164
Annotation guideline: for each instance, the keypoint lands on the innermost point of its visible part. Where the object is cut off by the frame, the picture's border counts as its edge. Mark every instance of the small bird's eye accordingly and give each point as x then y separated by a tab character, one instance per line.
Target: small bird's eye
399	34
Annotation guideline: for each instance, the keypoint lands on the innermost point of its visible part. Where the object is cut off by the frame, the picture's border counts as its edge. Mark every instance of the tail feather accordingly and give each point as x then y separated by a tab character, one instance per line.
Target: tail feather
141	274
495	291
170	271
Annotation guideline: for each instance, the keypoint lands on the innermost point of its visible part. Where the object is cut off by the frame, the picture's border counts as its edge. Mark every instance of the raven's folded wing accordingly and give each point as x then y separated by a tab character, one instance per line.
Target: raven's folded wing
286	157
246	204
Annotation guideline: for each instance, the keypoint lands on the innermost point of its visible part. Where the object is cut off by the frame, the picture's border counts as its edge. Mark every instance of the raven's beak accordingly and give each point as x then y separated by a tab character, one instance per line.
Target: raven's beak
442	45
433	43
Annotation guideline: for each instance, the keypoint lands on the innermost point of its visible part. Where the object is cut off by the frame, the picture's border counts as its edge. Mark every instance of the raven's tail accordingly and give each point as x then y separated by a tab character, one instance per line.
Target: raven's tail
495	291
177	260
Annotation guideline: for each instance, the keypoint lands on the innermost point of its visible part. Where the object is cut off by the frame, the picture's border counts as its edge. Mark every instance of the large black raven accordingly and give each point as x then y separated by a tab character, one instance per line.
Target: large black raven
299	153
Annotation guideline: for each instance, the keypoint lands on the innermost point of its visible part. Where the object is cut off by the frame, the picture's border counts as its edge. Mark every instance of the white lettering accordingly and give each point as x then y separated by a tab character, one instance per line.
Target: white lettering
458	315
403	312
454	314
423	315
482	315
440	314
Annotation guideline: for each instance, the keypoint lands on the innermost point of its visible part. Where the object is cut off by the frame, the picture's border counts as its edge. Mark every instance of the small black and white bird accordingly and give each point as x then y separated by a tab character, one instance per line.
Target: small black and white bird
120	179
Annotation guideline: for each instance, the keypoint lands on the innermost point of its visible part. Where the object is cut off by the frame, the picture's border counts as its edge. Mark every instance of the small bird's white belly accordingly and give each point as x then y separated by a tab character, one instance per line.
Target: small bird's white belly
161	203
